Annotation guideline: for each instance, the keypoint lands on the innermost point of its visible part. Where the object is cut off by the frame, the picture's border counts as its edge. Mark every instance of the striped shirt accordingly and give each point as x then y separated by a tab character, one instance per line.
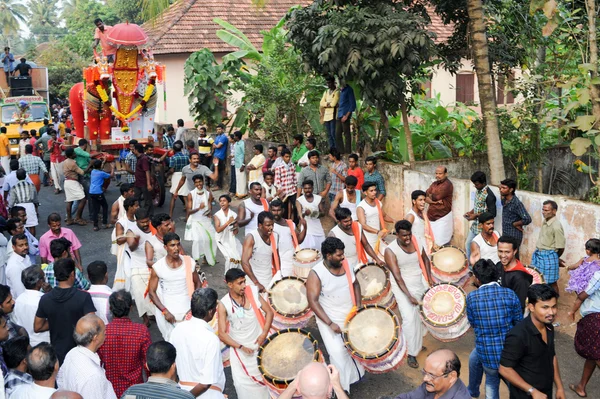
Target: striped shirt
178	161
32	165
22	193
157	388
131	160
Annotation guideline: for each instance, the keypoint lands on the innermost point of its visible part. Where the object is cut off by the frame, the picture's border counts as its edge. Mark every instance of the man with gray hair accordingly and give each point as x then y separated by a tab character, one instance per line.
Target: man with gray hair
66	395
43	367
315	381
199	361
81	371
26	305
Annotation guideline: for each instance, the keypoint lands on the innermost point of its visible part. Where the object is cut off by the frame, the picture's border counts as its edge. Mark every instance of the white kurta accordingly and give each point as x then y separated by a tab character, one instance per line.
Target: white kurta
198	357
173	293
336	301
139	276
372	220
286	249
315	235
227	242
15	265
200	230
123	273
261	261
443	229
244	328
411	273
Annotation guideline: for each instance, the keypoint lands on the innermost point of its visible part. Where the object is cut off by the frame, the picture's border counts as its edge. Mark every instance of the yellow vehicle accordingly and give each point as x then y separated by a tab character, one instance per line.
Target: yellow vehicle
15	120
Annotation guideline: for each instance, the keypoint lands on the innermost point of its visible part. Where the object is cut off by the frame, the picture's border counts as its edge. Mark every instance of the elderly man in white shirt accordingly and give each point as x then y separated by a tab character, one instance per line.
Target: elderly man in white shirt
81	371
34	280
199	361
99	291
42	364
18	261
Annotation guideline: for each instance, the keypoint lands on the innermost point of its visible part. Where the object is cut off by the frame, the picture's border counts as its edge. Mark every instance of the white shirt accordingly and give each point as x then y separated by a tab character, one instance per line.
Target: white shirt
26	306
100	294
179	133
31	391
81	372
15	265
198	354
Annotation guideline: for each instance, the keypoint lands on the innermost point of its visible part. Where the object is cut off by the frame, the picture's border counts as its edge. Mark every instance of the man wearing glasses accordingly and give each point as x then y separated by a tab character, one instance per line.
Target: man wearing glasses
440	378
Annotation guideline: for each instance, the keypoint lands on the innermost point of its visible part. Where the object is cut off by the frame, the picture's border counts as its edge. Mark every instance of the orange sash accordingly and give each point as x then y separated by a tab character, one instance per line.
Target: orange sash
265	204
382	225
346	267
429	237
360	251
189	279
259	316
420	256
293	231
276	266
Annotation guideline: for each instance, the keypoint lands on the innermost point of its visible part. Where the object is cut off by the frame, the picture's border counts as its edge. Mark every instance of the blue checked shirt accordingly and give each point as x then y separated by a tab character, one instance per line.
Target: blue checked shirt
178	161
169	141
378	179
81	282
131	160
492	311
15	379
513	211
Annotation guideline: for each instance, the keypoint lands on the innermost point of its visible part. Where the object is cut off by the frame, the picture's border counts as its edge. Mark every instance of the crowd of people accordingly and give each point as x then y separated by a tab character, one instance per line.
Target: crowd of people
66	330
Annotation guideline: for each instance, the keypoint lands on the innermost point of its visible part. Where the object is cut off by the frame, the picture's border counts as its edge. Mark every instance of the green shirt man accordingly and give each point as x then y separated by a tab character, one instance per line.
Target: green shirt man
82	157
298	151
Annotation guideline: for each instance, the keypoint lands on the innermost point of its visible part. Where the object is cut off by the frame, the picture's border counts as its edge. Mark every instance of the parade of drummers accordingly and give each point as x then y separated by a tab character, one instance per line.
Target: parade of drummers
262	199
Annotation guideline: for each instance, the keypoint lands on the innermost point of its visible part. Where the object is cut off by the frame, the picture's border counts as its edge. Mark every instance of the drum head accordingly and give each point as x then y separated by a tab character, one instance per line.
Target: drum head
538	276
443	304
288	296
372	332
285	354
372	280
449	259
306	255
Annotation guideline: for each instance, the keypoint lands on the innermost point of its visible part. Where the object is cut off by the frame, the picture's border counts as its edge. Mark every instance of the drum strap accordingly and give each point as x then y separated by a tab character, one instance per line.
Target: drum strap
290	224
259	316
265	204
420	257
189	279
346	267
382	224
360	251
276	266
429	237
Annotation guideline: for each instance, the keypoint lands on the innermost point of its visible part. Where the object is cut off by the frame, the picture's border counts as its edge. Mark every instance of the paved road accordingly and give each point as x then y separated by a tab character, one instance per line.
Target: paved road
96	247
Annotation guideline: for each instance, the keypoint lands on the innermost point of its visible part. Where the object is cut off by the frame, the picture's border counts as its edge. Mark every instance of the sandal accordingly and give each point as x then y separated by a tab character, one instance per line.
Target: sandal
573	388
412	362
108	226
69	222
81	222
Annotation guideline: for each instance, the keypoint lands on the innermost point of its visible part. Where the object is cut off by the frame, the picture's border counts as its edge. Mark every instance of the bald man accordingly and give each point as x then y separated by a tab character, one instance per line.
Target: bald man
81	371
315	381
439	198
440	378
66	395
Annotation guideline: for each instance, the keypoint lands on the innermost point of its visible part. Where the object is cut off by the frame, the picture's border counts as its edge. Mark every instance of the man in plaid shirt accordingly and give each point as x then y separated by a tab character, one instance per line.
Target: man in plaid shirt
60	248
130	163
15	352
492	310
285	180
514	214
176	164
34	166
169	138
24	194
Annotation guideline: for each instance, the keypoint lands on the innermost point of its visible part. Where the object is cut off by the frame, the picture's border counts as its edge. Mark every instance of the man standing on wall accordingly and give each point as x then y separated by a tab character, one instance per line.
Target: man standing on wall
346	107
220	152
328	106
439	198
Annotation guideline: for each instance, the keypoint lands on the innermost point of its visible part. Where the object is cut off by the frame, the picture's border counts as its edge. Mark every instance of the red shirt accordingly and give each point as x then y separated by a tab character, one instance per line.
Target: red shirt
123	353
142	165
56	155
359	174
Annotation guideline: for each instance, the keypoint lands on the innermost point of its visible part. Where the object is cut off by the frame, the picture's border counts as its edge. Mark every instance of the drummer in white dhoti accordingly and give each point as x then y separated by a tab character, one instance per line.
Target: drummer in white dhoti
176	164
348	198
172	281
226	227
333	295
249	318
485	244
138	276
311	208
155	247
260	253
199	361
290	237
439	198
249	209
421	227
371	216
186	183
125	223
354	239
409	265
117	210
199	228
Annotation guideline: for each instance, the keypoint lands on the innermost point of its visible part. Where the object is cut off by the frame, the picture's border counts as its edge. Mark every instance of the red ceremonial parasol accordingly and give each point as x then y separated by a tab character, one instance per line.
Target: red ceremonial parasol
127	35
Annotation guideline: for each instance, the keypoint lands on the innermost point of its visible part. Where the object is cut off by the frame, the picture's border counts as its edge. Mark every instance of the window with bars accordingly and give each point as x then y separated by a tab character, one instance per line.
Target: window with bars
465	88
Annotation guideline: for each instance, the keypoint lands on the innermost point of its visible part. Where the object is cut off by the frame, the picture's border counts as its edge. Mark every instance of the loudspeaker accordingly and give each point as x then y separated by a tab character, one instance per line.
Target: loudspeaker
20	82
27	91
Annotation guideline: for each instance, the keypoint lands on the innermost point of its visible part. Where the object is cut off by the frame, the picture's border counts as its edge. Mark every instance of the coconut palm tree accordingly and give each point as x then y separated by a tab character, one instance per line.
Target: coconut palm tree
43	12
11	13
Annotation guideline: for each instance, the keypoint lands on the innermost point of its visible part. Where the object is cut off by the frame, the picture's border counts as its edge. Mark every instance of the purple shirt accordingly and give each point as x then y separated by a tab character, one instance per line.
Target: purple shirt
48	237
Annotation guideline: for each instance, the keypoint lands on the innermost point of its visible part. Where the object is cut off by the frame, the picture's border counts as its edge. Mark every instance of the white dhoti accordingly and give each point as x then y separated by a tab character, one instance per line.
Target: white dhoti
139	284
350	370
32	217
5	162
247	378
175	182
231	248
73	191
178	306
202	234
56	170
412	325
123	273
443	229
241	185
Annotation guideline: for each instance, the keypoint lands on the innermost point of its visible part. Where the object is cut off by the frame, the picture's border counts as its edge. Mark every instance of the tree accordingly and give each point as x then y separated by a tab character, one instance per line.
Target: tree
11	13
65	68
128	11
43	21
80	25
381	46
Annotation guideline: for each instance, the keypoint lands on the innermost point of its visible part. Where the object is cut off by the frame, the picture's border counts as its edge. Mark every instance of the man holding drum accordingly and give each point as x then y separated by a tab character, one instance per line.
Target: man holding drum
242	308
408	263
333	294
290	237
352	235
260	256
439	198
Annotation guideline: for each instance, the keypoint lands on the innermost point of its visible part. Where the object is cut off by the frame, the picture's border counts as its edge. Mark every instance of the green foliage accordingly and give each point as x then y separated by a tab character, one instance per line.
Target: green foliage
65	68
11	13
128	10
207	85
